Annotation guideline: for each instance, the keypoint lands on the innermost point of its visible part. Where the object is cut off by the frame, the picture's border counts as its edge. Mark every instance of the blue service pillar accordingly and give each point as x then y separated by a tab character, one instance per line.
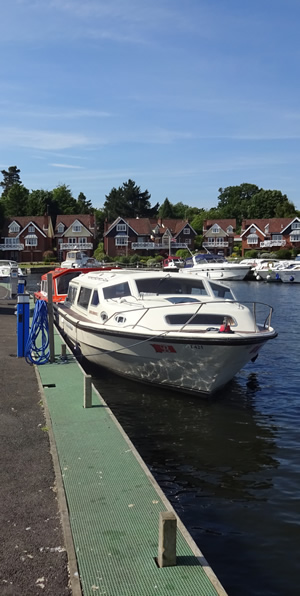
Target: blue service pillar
22	323
21	286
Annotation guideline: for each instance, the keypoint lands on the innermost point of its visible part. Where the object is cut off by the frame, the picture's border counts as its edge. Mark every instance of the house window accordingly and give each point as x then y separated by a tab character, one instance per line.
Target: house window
121	227
60	240
82	240
295	237
187	241
60	228
277	237
211	240
72	240
31	240
215	229
14	228
11	241
121	240
31	229
230	229
76	228
186	230
252	239
296	225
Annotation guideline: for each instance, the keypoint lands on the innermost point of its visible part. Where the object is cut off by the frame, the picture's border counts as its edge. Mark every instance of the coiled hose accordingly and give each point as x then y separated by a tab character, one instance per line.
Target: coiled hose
37	348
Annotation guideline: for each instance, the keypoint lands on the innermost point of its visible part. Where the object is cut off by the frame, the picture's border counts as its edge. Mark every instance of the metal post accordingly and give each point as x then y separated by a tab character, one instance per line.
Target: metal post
50	317
87	395
167	539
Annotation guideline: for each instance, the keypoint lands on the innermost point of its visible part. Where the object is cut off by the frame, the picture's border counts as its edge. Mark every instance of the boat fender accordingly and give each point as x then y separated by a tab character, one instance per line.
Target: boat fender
77	350
277	276
292	278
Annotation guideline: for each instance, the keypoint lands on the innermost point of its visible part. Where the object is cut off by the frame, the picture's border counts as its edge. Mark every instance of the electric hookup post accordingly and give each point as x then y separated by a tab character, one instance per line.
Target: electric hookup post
21	286
22	323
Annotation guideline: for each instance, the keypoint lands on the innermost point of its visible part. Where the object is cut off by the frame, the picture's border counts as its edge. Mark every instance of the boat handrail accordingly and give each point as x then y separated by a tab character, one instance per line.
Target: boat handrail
266	324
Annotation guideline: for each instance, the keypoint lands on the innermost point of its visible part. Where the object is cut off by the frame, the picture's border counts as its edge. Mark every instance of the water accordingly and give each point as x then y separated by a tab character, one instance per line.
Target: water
231	466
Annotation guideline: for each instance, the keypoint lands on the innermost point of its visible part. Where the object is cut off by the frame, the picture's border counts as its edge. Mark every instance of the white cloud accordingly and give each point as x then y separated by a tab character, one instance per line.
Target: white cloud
38	139
65	166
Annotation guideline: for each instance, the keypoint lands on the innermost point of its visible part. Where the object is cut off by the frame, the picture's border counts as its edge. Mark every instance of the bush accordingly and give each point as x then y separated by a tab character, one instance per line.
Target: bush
251	254
48	256
284	253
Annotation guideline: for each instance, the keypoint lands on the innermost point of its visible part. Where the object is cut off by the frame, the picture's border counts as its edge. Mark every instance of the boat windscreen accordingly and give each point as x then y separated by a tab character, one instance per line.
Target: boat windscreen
221	291
63	281
170	285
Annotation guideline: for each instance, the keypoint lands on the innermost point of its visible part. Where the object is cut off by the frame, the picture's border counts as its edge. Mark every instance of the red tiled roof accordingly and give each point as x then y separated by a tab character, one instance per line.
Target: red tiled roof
276	224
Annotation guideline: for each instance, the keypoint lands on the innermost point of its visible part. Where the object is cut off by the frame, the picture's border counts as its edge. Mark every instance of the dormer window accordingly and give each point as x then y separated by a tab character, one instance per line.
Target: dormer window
31	229
229	229
121	227
14	228
267	228
60	228
215	229
296	225
76	227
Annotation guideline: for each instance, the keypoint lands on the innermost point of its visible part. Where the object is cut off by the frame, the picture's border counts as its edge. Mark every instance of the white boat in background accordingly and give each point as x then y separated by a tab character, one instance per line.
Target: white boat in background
271	273
179	331
215	267
290	274
78	258
8	278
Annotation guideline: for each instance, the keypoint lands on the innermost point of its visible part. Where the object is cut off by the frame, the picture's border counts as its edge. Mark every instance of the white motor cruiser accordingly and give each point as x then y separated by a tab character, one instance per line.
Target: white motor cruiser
78	258
179	331
216	267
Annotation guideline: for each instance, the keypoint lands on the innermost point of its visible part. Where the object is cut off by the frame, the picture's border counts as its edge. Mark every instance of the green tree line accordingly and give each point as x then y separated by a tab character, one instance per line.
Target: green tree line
246	201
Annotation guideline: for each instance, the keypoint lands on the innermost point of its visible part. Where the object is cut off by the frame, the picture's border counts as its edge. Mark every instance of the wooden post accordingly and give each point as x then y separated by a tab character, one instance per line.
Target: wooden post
50	317
87	397
63	351
167	539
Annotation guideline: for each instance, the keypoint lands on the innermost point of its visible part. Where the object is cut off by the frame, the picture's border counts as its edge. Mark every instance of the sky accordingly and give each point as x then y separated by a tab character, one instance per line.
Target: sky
184	98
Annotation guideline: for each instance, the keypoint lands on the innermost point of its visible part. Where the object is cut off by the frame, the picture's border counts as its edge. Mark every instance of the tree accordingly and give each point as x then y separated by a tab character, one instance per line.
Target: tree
166	210
83	205
40	202
15	203
234	201
127	201
10	177
65	202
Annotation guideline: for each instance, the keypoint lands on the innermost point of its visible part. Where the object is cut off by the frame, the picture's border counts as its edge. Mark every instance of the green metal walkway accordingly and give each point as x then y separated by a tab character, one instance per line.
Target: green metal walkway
113	501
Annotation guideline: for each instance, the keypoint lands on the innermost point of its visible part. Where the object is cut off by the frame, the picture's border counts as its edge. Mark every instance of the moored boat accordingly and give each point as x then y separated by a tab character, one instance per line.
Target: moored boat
61	278
184	332
216	267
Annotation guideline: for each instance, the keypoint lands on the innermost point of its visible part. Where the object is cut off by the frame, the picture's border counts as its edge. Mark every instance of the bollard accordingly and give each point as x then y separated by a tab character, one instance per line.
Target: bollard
63	351
167	539
22	323
21	286
87	396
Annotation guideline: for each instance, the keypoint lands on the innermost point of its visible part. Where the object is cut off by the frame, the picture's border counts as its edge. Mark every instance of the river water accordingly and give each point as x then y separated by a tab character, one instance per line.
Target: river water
230	465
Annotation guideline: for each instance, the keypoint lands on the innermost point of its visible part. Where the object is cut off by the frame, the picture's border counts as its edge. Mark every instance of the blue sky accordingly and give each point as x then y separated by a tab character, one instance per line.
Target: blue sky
182	97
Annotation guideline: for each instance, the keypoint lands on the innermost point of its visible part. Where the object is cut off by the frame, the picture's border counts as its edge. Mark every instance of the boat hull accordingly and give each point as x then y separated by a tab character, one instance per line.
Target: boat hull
201	365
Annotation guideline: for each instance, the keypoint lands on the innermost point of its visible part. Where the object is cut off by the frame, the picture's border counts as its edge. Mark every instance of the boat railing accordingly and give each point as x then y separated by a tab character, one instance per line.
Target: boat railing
257	327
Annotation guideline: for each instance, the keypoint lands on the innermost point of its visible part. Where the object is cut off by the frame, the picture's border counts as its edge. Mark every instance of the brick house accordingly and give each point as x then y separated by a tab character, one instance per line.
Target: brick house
147	236
219	235
25	239
268	235
72	232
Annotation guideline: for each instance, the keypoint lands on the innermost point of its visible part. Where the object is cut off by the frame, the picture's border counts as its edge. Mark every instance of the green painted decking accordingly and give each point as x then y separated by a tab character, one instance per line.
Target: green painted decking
113	500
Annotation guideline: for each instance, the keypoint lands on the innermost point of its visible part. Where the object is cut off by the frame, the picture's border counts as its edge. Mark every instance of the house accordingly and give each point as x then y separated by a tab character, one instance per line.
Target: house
25	239
147	236
219	235
72	232
268	235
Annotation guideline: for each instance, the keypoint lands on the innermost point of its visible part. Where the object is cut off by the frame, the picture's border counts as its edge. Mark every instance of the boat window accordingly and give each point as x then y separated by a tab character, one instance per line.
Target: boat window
63	281
200	319
117	291
84	297
221	291
71	294
181	299
95	298
170	285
